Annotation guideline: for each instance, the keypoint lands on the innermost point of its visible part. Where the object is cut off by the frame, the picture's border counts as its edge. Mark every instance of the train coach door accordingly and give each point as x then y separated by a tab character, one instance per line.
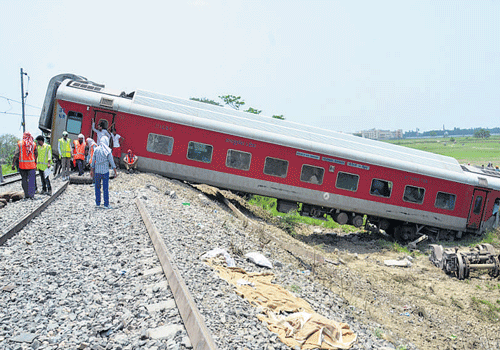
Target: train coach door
105	117
476	209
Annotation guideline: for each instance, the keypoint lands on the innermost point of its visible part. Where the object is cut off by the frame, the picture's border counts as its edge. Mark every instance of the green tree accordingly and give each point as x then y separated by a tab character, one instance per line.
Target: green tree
482	133
8	143
205	100
252	110
233	101
433	133
279	117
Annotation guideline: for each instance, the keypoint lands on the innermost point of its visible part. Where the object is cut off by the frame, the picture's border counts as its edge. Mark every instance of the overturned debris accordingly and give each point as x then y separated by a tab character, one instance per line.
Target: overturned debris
413	245
461	262
399	263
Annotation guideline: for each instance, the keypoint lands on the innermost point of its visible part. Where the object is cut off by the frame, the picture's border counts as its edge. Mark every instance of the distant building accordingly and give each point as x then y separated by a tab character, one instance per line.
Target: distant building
376	134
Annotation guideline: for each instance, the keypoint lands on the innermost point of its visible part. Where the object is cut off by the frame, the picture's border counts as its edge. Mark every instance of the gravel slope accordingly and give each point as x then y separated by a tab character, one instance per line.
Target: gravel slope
81	273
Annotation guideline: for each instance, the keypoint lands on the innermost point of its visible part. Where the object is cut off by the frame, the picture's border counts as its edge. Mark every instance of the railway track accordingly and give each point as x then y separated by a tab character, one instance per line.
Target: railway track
148	273
12	178
131	277
17	226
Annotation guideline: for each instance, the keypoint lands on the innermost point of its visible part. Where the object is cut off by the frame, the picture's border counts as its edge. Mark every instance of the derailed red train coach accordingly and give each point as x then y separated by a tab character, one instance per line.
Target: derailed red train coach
400	190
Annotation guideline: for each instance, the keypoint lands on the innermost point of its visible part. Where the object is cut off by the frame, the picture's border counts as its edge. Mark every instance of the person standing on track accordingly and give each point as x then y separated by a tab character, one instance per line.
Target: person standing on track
89	151
117	150
64	147
91	146
43	163
27	154
79	153
101	162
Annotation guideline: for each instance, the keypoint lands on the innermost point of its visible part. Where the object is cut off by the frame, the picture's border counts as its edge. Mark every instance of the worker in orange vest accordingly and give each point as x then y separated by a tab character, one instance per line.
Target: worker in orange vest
130	161
79	153
27	154
89	151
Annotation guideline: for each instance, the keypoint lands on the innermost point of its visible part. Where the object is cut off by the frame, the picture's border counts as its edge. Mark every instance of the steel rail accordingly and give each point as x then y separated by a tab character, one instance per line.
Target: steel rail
200	336
16	227
9	178
10	175
12	178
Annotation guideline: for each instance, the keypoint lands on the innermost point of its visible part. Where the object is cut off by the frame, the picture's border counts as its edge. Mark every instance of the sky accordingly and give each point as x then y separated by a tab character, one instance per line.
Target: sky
340	65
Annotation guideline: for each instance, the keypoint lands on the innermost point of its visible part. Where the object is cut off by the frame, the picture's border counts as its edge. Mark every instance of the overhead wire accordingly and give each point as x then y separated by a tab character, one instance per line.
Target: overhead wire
25	97
11	100
26	115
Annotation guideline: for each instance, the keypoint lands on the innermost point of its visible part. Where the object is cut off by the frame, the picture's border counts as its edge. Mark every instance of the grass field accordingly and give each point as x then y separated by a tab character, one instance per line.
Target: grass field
464	149
6	169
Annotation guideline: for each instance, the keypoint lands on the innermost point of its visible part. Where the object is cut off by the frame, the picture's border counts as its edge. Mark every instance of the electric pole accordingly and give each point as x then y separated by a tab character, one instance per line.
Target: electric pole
22	98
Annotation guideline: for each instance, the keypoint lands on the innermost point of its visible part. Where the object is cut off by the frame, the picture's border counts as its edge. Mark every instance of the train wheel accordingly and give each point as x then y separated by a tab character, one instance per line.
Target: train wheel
466	267
342	218
357	221
404	232
446	235
384	224
460	273
496	271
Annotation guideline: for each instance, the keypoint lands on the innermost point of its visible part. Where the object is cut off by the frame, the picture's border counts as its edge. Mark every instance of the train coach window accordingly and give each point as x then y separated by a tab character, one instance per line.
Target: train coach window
414	194
478	204
200	152
312	174
238	160
445	201
275	167
347	181
160	144
381	188
74	123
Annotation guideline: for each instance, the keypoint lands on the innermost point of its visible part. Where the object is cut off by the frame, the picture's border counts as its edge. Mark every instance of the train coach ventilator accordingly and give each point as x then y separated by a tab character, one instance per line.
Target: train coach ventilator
461	262
291	318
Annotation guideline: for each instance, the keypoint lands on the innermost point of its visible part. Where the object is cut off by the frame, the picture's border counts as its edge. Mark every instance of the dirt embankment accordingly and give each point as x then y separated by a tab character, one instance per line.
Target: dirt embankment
419	303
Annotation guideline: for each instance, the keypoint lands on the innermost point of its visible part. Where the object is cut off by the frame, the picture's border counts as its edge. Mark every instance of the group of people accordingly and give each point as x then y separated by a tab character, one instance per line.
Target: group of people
80	151
30	156
490	166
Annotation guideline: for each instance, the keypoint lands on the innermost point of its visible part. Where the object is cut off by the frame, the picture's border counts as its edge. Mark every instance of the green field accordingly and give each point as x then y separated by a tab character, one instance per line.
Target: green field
6	169
464	149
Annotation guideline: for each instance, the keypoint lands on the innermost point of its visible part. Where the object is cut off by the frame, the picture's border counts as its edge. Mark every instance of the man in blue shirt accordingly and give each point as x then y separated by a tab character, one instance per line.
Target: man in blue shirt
101	162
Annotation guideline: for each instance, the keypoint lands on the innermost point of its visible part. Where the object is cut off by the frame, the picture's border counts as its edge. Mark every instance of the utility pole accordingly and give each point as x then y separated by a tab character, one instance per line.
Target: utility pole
22	98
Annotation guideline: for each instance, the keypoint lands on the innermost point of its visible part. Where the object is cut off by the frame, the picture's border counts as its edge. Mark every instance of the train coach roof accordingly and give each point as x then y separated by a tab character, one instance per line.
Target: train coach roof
267	129
327	141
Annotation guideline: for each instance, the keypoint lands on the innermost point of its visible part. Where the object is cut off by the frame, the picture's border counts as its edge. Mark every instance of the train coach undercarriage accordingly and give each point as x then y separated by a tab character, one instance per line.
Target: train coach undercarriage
460	263
399	230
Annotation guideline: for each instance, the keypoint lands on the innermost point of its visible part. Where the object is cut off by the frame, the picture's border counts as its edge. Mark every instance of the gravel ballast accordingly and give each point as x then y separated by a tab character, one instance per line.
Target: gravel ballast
84	276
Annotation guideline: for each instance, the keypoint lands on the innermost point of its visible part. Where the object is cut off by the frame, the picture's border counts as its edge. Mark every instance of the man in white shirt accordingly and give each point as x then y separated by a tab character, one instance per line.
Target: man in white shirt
100	131
117	150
